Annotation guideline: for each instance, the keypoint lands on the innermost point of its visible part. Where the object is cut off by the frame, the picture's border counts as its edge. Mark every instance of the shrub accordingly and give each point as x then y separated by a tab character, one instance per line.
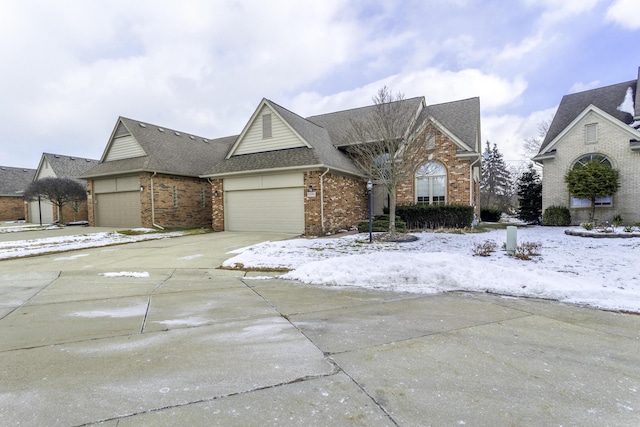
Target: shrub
490	215
421	216
526	250
587	225
484	249
380	224
628	229
556	216
617	220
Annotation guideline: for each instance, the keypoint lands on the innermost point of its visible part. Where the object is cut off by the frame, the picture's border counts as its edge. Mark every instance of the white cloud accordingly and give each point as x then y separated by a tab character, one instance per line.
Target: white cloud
581	87
624	13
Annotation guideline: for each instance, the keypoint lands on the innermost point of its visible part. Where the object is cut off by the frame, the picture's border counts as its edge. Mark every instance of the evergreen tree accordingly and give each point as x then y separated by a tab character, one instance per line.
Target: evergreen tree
529	195
592	180
496	187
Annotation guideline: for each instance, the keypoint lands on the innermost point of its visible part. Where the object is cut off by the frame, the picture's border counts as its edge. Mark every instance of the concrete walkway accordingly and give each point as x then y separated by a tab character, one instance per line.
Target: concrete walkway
151	333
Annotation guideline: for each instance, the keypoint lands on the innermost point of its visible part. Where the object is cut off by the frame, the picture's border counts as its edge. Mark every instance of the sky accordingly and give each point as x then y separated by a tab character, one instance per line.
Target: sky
70	68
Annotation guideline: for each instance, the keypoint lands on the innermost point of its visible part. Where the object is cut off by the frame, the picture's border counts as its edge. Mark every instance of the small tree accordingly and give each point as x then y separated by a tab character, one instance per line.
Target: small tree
387	144
591	181
529	195
59	191
496	187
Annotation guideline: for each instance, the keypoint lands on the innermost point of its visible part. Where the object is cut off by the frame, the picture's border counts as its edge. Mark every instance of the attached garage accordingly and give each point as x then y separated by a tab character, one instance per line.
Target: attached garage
38	210
117	202
267	203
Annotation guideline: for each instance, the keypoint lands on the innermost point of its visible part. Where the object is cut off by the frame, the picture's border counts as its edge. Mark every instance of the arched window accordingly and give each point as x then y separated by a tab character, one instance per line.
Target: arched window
431	183
600	201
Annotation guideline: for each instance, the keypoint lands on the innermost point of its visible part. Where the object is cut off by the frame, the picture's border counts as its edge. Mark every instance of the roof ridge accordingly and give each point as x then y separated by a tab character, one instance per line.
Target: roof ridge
363	107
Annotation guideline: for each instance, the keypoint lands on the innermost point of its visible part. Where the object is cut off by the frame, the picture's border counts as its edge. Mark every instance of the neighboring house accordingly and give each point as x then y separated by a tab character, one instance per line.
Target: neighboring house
282	173
13	182
287	173
150	176
59	166
600	124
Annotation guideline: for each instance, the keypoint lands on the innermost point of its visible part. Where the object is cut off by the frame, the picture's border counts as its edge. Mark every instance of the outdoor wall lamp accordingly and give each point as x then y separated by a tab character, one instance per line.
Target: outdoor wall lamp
141	188
310	188
216	194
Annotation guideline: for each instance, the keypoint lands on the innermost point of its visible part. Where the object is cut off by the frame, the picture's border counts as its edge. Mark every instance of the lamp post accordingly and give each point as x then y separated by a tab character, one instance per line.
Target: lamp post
369	188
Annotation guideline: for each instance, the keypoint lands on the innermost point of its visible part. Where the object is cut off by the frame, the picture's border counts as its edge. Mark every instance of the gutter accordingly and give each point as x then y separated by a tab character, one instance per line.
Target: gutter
322	200
471	193
153	207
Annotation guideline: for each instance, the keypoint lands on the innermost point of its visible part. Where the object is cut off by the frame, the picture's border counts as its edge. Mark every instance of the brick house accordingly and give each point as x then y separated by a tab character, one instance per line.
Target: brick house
13	182
149	176
599	124
58	166
282	173
289	173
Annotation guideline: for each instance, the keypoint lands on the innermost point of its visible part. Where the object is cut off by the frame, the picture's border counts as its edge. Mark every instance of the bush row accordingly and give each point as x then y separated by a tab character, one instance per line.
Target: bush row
490	215
380	223
422	216
556	216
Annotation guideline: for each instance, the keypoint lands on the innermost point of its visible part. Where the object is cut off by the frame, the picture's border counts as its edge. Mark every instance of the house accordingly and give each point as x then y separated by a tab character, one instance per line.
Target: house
13	182
149	176
59	166
599	124
292	174
282	173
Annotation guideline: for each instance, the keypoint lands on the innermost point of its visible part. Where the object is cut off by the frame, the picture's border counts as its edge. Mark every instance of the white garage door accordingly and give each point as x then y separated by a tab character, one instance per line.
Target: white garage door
279	210
118	209
45	208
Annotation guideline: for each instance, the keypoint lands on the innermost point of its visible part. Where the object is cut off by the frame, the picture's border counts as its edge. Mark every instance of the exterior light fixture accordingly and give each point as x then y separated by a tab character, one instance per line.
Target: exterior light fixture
141	188
216	194
310	188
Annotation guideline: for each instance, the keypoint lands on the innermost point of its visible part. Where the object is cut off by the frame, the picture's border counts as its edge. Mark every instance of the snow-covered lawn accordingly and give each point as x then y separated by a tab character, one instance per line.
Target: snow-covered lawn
22	248
603	273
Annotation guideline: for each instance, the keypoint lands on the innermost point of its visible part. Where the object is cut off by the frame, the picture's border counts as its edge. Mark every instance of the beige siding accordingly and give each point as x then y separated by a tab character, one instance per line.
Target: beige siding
124	147
45	171
111	185
282	136
264	181
613	142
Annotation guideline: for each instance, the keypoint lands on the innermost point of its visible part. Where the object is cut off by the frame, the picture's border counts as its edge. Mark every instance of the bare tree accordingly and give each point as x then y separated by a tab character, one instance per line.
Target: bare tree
532	145
388	144
59	191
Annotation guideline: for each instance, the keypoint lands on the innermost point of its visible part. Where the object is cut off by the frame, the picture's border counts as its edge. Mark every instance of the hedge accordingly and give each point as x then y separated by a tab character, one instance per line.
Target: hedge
490	215
380	223
556	216
421	216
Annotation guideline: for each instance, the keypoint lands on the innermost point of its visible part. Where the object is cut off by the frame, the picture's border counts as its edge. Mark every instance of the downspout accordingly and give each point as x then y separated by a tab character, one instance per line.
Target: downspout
322	200
472	195
153	208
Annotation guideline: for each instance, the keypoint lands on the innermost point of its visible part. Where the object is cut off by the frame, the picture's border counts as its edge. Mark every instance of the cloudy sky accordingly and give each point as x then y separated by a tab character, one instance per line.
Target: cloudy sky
69	68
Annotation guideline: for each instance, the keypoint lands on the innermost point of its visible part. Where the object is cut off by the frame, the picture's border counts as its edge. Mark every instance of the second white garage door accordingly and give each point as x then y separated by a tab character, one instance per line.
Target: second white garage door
278	210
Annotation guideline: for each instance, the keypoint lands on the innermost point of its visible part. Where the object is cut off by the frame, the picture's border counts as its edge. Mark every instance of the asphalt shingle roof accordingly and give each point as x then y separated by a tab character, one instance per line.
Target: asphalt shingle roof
68	166
167	151
607	98
462	118
13	181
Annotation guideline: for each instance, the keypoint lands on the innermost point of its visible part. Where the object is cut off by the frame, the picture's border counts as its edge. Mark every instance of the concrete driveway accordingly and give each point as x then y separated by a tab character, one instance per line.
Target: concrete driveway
152	333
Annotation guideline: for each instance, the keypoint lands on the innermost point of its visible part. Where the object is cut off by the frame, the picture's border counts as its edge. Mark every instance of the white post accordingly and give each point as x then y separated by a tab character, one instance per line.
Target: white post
512	240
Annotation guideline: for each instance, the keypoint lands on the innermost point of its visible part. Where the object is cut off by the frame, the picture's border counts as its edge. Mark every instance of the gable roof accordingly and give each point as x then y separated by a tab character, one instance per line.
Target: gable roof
339	124
461	119
608	99
318	151
13	181
67	166
165	151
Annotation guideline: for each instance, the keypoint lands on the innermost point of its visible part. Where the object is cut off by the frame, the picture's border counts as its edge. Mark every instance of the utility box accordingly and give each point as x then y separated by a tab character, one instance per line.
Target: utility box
512	240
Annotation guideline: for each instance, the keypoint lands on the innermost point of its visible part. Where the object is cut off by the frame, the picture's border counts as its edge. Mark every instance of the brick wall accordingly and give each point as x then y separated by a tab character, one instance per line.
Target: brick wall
69	214
217	203
190	206
12	208
613	142
90	206
345	202
459	183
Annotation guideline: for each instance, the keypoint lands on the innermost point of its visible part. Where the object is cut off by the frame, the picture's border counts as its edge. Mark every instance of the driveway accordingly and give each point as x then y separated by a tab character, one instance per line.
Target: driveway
152	333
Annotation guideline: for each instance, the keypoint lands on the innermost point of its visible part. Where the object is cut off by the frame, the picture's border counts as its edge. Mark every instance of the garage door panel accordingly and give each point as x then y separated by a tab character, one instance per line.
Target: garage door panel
118	209
275	210
45	208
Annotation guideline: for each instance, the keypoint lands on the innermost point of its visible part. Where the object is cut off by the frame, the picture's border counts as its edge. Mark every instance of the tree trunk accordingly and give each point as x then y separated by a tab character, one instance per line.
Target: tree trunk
392	212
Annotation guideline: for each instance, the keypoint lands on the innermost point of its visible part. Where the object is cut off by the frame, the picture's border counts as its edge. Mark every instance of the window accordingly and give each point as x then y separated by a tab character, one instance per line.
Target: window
431	184
591	133
203	197
600	201
266	126
175	196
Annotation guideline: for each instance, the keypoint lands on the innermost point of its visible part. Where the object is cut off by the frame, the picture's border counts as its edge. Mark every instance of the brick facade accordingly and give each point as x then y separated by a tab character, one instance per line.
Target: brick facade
612	142
459	185
344	202
217	203
12	208
178	201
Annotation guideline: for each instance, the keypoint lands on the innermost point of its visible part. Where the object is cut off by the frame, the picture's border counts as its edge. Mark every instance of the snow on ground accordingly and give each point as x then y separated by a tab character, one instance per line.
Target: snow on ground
22	248
603	273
